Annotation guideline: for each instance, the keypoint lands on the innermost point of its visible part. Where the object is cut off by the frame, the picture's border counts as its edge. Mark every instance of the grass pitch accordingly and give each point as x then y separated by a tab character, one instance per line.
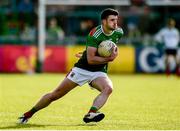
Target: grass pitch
138	102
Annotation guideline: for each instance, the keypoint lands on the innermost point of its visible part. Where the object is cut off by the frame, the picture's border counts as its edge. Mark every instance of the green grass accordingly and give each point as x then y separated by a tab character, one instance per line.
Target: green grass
138	102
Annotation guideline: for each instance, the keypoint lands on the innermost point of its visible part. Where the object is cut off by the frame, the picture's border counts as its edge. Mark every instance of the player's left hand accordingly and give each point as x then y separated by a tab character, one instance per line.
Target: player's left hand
79	54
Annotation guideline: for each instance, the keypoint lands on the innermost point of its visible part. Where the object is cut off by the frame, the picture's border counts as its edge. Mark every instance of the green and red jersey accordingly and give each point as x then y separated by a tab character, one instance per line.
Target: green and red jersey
95	37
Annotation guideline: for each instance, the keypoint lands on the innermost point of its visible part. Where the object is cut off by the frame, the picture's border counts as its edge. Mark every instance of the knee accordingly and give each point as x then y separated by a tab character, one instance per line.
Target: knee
108	90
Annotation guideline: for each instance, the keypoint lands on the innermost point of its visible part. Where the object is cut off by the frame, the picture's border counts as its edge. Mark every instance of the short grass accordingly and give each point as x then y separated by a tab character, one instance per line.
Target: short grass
138	102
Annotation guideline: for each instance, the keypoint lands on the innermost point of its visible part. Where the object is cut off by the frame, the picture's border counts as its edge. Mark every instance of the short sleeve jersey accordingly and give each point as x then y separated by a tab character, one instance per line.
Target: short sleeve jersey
170	37
94	38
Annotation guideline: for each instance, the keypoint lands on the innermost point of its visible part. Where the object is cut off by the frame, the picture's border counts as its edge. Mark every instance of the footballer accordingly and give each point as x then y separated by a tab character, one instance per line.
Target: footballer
90	68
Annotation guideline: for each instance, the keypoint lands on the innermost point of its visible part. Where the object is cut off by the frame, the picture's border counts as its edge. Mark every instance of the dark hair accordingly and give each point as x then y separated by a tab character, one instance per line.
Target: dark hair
105	13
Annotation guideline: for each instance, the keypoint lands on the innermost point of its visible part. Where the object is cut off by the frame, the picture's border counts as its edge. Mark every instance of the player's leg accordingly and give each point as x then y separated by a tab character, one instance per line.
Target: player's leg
66	86
60	91
104	85
167	64
177	65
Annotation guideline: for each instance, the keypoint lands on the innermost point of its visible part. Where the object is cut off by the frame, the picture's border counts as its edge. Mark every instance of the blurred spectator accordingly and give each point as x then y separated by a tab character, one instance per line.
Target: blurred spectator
26	13
132	22
25	6
138	2
169	36
144	20
54	31
86	26
133	33
133	15
28	33
3	23
144	25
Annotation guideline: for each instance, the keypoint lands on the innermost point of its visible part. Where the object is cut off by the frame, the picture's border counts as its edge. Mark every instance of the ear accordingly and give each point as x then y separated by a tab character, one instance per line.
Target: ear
104	21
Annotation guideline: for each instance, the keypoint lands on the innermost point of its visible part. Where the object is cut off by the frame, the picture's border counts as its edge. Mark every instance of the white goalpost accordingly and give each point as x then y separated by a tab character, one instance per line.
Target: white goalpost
42	19
41	34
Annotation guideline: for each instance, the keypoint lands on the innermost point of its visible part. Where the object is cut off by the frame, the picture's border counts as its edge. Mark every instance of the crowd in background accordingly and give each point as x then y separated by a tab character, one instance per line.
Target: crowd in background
71	24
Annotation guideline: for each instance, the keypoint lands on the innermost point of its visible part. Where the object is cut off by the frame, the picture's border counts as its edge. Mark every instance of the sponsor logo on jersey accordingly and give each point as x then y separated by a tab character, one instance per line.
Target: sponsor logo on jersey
72	74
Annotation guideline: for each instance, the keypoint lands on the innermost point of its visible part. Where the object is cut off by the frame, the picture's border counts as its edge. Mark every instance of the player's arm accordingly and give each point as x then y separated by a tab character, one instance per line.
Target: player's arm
93	59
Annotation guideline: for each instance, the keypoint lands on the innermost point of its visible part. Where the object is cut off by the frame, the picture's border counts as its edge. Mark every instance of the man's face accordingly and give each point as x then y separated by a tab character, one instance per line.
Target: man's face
172	23
111	22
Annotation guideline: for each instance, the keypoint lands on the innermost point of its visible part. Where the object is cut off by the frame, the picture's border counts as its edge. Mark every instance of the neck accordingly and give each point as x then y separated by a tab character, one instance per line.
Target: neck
106	31
170	27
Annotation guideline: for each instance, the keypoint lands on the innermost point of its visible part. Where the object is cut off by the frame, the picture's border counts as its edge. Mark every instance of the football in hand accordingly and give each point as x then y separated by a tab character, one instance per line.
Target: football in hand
105	48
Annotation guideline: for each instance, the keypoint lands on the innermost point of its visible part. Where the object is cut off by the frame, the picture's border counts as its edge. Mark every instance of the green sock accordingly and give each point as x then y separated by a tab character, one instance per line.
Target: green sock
30	112
93	109
33	110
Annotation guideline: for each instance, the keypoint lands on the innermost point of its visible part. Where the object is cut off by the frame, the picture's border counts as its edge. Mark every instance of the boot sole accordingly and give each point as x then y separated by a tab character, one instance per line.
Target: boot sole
95	119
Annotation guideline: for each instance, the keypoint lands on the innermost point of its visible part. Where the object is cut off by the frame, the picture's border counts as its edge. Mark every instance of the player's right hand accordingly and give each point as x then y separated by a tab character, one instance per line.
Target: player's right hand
114	53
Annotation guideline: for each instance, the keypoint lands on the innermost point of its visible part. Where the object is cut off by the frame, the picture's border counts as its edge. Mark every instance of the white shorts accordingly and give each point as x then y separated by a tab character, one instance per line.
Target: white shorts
81	76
